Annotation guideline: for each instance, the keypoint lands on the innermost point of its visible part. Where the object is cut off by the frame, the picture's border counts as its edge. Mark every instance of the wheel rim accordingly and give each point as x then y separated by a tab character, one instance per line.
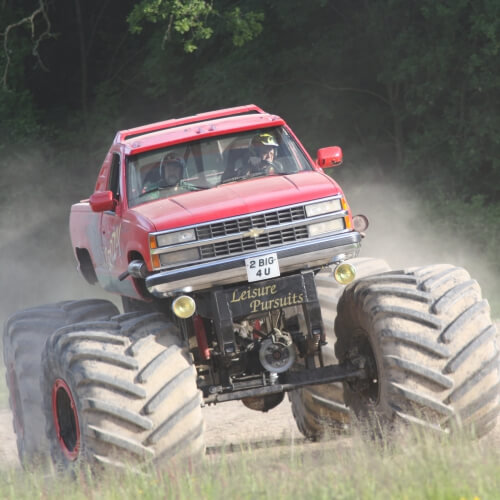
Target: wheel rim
16	402
66	422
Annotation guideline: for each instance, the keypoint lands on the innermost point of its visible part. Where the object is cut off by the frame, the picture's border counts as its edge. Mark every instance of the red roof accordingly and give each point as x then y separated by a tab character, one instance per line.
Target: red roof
177	130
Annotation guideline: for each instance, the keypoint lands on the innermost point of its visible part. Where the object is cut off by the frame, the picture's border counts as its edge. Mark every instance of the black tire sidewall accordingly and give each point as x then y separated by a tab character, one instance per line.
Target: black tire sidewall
362	332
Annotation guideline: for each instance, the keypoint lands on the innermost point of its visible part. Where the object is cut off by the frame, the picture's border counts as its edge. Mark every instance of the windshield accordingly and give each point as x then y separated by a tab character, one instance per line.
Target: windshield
208	163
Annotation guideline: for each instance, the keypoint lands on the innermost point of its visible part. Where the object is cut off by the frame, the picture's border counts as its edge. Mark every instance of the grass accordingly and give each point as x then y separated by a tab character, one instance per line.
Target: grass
411	467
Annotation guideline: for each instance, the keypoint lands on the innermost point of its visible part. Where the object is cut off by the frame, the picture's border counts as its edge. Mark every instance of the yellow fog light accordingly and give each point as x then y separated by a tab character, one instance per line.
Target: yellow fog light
344	273
184	306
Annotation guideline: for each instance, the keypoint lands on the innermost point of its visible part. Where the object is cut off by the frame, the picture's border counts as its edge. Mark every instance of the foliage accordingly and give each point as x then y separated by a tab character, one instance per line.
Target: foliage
410	87
451	82
181	17
20	120
19	117
191	20
13	19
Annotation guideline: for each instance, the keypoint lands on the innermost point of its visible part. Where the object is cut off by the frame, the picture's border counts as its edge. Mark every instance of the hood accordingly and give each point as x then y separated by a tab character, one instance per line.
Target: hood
237	198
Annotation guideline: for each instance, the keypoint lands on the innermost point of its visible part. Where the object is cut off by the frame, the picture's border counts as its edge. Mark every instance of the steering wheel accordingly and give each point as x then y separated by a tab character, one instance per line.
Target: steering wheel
272	168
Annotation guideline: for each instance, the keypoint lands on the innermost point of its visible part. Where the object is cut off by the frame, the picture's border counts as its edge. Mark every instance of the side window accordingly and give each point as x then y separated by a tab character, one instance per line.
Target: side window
114	177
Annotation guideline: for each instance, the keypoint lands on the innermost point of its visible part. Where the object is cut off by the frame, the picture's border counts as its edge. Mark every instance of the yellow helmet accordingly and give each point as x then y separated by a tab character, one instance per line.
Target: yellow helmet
264	139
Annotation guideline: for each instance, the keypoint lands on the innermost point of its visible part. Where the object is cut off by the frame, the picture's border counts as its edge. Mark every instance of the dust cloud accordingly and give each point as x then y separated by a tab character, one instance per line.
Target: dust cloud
406	235
37	265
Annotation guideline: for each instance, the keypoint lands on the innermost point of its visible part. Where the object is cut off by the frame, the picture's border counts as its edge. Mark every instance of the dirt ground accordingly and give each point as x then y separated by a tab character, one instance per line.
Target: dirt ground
227	424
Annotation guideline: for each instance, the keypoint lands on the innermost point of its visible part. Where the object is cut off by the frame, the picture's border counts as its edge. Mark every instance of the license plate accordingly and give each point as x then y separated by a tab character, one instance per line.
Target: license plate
262	268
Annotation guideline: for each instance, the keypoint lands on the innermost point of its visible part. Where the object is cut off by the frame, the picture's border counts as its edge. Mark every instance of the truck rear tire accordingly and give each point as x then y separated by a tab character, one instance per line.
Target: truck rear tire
430	348
319	410
120	393
135	305
24	338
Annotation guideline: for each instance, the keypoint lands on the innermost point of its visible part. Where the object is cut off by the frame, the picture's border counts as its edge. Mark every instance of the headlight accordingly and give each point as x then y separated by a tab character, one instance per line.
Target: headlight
323	207
189	255
328	226
176	237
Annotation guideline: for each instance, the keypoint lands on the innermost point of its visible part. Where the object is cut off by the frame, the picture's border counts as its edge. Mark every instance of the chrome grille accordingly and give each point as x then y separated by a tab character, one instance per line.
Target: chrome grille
237	236
240	245
243	224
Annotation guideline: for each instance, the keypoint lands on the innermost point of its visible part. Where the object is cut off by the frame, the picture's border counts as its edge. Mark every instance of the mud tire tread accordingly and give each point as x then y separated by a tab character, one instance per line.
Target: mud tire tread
438	362
133	402
25	335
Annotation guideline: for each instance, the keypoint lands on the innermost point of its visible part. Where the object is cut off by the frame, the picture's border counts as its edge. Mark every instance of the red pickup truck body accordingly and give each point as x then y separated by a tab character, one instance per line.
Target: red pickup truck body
118	225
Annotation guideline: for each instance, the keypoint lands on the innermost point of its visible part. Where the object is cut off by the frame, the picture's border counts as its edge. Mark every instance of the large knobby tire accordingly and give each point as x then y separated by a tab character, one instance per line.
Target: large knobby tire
121	393
24	338
319	410
136	305
430	349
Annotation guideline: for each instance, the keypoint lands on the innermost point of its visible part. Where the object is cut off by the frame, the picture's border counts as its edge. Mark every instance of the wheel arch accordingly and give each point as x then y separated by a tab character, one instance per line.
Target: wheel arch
85	265
139	284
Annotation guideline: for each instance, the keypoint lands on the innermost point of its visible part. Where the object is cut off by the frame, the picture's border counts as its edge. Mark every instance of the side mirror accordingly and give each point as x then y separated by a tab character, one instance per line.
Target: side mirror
101	201
329	157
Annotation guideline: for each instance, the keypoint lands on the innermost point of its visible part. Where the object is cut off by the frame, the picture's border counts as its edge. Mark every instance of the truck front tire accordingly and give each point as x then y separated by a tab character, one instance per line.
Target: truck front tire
429	347
121	392
24	338
320	410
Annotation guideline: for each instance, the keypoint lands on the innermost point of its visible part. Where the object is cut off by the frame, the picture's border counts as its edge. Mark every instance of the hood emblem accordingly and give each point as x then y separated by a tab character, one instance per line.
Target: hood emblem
253	233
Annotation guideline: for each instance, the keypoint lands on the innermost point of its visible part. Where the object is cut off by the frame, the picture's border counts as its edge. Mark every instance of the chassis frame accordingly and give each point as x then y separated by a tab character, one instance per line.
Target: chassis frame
222	306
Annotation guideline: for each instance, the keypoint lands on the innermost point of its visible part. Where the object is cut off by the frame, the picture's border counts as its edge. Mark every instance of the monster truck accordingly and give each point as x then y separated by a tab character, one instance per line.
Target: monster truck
224	239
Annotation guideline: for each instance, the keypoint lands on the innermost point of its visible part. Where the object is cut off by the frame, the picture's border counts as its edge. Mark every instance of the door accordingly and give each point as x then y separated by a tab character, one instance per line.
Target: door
111	226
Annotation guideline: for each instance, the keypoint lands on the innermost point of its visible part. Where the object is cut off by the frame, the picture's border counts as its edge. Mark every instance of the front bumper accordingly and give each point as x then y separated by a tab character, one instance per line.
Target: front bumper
298	256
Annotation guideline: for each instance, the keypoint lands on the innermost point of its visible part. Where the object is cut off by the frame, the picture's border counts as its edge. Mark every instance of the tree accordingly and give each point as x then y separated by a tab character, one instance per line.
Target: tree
193	21
39	24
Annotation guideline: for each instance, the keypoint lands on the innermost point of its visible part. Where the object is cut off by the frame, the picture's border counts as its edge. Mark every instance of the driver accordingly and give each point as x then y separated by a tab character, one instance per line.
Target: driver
262	153
171	170
168	174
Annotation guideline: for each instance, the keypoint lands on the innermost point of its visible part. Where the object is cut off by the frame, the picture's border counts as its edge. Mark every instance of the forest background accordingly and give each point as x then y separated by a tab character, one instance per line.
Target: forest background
410	90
